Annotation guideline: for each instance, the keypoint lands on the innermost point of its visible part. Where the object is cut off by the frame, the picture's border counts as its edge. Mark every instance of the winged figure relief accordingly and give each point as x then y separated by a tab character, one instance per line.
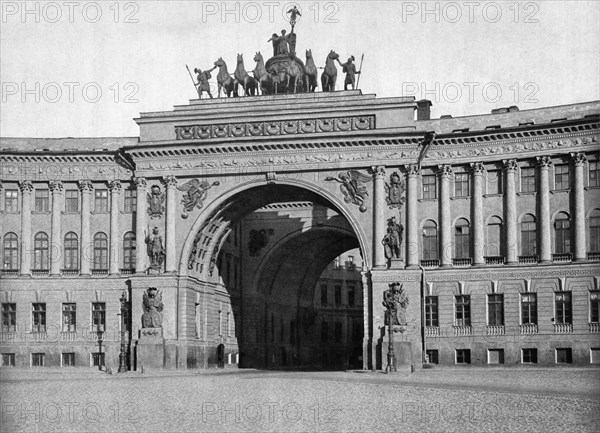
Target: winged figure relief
353	187
195	193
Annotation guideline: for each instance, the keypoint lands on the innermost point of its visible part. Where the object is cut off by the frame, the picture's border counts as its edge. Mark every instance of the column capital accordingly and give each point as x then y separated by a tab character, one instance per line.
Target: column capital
169	181
579	158
26	186
412	169
377	171
85	185
140	182
445	170
510	164
544	161
115	186
56	186
477	168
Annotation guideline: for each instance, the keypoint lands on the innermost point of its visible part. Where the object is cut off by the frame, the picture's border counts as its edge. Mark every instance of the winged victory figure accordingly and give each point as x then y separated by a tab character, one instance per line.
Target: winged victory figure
352	185
195	193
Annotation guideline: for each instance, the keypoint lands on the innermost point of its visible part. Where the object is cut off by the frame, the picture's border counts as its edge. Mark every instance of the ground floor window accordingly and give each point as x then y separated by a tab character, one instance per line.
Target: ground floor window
432	355
495	356
595	355
37	359
529	356
97	359
68	359
8	360
564	356
463	356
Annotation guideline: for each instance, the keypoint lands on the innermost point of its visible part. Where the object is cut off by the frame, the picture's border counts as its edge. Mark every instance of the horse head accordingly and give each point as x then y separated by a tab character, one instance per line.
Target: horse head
333	55
219	62
308	54
258	57
240	58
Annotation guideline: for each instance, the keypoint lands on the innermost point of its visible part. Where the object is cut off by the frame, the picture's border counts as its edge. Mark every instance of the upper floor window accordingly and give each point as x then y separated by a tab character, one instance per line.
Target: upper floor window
351	295
40	251
71	251
461	239
528	309
337	294
493	245
594	231
528	236
430	240
495	182
461	185
42	200
38	317
594	173
10	247
71	201
101	201
562	308
100	251
561	176
129	250
9	317
431	311
495	310
528	180
462	311
594	304
98	316
562	233
11	200
429	186
69	314
130	200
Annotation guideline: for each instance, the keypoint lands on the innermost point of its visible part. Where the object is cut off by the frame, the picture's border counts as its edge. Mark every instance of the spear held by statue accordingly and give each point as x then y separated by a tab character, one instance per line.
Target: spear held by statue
194	82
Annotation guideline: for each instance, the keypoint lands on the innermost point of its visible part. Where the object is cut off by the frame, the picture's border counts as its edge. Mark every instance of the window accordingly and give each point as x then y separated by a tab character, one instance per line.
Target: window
323	294
594	168
594	304
37	359
337	332
357	332
101	201
431	311
528	179
429	187
42	200
68	359
561	176
529	356
98	316
563	308
337	263
528	236
594	231
129	250
433	356
337	294
461	239
528	309
100	251
463	310
495	182
463	356
71	201
495	356
461	184
97	359
564	356
324	332
40	251
8	360
351	294
130	200
71	251
10	246
430	241
11	200
69	316
39	317
562	233
9	317
494	237
495	310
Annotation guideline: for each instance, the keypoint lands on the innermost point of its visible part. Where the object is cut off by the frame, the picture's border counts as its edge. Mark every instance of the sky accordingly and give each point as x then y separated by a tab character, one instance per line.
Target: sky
86	69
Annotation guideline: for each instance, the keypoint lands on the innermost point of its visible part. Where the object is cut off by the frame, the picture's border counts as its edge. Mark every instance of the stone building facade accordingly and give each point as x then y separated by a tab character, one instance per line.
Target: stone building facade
499	253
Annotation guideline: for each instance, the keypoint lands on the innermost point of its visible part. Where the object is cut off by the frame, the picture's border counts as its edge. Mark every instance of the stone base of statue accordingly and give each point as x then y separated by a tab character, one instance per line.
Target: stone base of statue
396	263
154	270
150	349
402	356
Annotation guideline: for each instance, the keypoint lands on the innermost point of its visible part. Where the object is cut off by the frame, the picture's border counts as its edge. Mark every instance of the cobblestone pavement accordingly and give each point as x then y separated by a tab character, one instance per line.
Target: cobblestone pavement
448	400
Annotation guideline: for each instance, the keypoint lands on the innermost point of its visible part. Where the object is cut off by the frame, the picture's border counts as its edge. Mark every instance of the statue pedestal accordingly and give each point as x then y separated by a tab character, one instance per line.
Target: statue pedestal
402	355
396	264
154	270
150	349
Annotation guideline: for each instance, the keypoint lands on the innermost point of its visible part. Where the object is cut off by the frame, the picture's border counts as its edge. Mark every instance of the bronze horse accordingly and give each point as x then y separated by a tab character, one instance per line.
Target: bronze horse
224	80
311	72
329	75
261	75
241	77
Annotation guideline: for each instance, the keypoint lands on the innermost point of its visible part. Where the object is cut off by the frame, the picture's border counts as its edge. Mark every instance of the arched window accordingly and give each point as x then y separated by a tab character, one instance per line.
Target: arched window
10	260
71	251
594	231
40	252
493	245
430	240
100	251
562	233
528	236
129	250
461	239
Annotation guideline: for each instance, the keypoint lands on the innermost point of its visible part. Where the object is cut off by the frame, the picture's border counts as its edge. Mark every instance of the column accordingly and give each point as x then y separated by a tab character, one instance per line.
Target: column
544	163
510	211
86	250
115	238
579	160
170	245
478	169
445	173
378	216
412	235
140	226
56	242
26	188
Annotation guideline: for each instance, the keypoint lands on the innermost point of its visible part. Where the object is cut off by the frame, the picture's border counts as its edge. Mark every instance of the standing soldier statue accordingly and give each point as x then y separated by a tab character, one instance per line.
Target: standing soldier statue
350	69
203	77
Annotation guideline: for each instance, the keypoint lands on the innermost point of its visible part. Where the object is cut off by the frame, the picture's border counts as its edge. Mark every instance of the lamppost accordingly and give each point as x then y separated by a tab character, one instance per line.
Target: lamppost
123	354
391	356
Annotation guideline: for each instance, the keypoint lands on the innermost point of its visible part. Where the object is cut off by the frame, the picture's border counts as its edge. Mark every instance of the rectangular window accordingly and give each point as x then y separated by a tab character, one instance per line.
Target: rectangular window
337	294
324	294
39	317
528	309
433	356
97	359
463	356
130	200
594	355
564	356
495	182
8	360
594	306
37	359
11	200
495	310
561	176
324	332
495	356
529	356
69	316
98	316
9	317
42	200
337	263
101	201
430	242
528	179
337	332
68	359
463	310
351	294
431	311
563	308
71	201
594	177
461	185
429	187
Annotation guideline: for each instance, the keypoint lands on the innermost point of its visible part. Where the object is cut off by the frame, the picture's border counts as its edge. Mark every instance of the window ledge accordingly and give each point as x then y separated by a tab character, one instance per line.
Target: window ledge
100	213
527	193
466	197
555	191
4	212
493	195
427	199
587	188
70	213
126	213
33	212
